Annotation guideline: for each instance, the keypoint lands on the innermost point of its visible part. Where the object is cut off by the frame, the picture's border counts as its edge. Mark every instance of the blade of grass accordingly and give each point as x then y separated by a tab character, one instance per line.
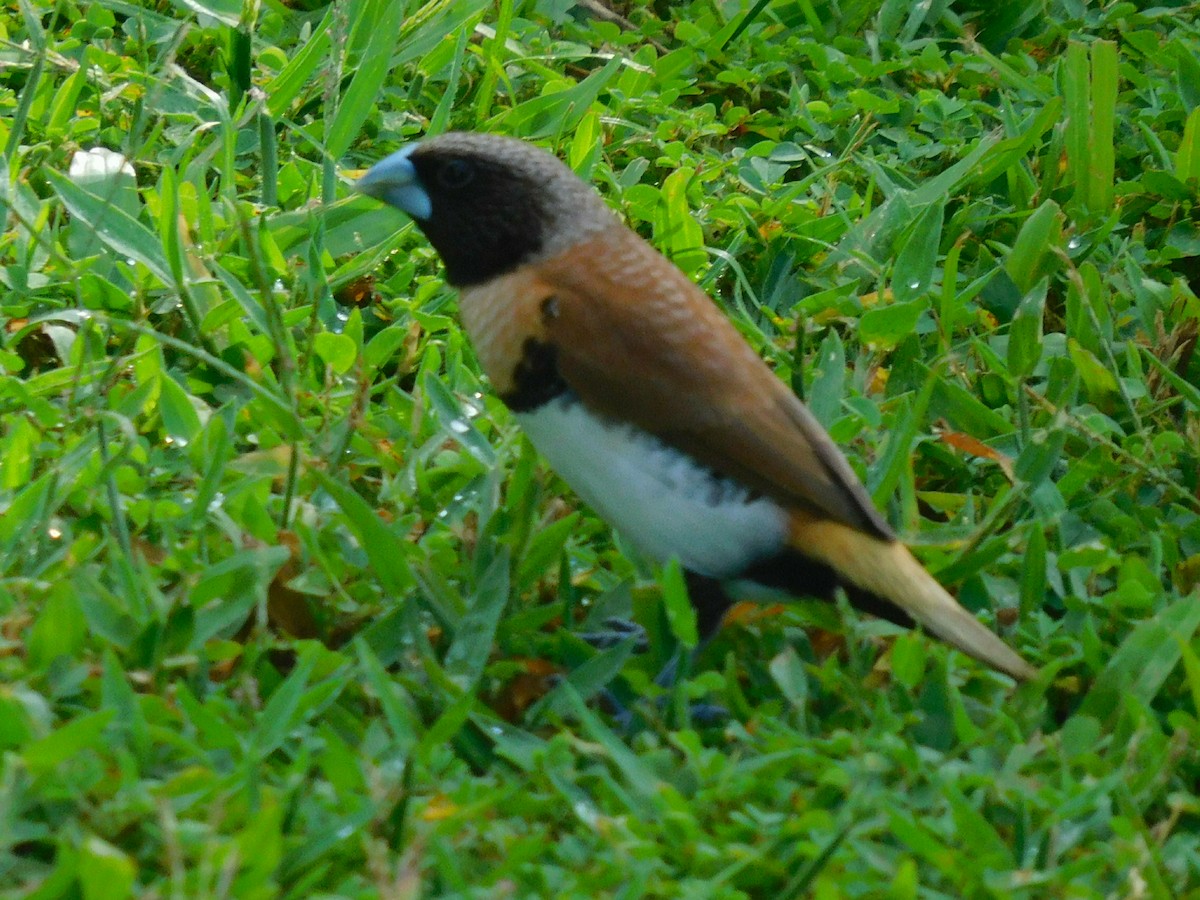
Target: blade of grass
1187	157
912	274
441	115
748	20
370	71
1188	391
1035	250
1144	660
493	49
637	775
298	74
387	552
1101	153
115	228
476	632
1077	94
37	39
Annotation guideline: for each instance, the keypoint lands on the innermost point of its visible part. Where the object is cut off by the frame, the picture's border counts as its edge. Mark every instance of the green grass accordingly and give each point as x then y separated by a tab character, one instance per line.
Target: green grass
288	608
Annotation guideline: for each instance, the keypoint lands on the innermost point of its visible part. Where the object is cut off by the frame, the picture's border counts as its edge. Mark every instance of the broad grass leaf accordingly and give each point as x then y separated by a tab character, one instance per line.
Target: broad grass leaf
828	380
474	634
889	325
336	350
119	696
370	71
1025	332
787	669
227	12
872	237
1033	255
675	227
545	546
441	115
279	714
230	589
1188	391
896	462
912	274
400	713
1040	456
455	420
1145	658
645	784
988	848
520	747
1101	152
560	111
908	656
78	736
116	229
447	725
387	552
1187	157
1033	570
59	630
680	613
1099	383
383	346
179	417
105	872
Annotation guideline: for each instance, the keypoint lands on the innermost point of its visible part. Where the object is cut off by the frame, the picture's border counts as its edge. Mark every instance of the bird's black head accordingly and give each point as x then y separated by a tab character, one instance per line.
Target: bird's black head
487	204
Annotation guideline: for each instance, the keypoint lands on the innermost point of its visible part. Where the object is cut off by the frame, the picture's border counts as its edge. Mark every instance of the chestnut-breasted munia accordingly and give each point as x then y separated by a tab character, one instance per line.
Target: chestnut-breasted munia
646	400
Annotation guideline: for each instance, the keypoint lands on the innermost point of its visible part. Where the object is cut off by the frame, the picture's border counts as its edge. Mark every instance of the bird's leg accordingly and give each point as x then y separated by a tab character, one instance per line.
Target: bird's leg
616	630
711	602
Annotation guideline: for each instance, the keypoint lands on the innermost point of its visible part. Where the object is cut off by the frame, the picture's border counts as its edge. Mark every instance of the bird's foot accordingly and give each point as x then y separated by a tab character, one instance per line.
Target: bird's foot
615	631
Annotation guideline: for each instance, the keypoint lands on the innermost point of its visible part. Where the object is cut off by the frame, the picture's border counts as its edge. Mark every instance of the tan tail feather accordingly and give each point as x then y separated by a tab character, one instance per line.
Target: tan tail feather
888	570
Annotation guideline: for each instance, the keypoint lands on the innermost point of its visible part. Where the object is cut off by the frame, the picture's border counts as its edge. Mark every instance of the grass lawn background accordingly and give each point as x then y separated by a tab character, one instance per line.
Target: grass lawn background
288	608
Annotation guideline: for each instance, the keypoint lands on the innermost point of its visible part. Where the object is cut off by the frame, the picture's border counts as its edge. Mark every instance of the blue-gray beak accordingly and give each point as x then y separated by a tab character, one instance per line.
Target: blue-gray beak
394	181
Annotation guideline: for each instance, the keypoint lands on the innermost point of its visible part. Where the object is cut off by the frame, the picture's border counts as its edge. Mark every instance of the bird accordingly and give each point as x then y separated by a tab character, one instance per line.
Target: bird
646	400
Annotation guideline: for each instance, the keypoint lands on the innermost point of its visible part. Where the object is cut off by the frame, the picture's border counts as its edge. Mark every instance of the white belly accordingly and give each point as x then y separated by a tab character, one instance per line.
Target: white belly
657	497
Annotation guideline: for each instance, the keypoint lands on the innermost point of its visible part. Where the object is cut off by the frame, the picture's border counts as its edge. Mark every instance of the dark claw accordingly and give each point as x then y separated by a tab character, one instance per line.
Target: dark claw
707	715
617	630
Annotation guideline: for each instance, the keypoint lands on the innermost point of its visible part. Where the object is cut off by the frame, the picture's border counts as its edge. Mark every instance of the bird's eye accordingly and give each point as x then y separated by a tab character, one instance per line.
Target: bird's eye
456	173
